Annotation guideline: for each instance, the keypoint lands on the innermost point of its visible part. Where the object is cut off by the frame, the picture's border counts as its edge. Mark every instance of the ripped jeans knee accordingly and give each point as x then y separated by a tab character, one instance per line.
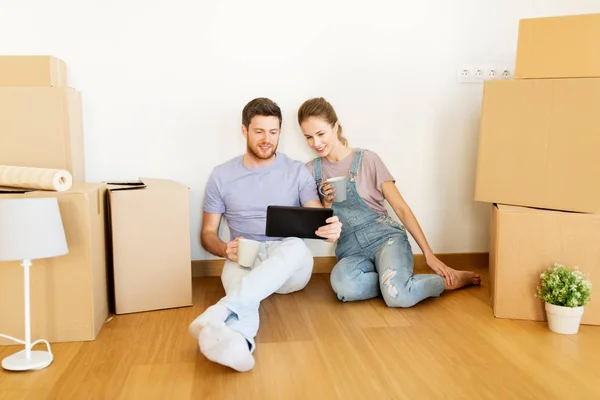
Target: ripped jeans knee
387	283
395	267
395	292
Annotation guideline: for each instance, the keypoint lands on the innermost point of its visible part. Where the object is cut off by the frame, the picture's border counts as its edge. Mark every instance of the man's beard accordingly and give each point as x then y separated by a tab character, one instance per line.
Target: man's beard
260	156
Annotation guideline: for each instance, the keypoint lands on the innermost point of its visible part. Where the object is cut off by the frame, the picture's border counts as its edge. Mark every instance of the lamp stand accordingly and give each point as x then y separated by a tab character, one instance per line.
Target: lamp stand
27	359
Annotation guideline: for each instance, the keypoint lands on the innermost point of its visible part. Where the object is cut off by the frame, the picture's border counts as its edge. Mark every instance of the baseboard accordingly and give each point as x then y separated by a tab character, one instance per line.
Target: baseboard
324	265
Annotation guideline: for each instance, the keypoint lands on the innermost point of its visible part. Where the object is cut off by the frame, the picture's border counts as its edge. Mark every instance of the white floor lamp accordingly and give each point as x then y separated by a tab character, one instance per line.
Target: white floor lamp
30	229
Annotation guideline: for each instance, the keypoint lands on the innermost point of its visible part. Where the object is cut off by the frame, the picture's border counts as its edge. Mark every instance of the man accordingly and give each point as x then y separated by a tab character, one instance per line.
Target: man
242	189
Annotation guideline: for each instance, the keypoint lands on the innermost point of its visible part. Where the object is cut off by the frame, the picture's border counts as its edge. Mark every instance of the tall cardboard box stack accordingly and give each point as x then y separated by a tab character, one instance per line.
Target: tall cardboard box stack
538	166
140	248
41	126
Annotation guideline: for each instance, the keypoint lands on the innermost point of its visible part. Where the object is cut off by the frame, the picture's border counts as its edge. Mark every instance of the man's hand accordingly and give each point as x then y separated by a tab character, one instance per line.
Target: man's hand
231	251
331	232
443	270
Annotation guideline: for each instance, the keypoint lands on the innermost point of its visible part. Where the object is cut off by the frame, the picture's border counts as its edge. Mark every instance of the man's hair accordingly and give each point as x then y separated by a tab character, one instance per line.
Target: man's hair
260	106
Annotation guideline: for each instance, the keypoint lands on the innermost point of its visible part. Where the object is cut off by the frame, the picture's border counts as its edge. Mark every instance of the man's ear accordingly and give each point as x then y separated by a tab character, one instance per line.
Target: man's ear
244	131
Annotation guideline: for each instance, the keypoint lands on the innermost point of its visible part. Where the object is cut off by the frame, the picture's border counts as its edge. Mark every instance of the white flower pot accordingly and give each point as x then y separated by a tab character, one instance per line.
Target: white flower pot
563	320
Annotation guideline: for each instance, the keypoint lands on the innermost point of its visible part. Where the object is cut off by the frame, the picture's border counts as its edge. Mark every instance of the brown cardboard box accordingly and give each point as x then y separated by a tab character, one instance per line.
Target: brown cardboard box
151	249
42	127
68	293
559	47
32	71
539	142
525	242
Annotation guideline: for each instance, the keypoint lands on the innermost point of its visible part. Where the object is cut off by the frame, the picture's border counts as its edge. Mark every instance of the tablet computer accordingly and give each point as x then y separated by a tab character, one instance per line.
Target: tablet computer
300	222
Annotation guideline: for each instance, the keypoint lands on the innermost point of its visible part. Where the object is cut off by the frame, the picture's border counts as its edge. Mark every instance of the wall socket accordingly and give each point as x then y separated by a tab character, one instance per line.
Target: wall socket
492	73
478	74
506	73
464	74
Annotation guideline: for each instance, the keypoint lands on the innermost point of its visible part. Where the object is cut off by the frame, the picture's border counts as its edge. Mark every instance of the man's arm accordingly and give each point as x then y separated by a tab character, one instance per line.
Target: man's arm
209	237
214	208
313	204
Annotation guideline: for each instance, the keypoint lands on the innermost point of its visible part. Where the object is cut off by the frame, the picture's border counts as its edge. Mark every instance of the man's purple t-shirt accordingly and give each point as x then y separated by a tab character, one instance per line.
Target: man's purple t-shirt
243	194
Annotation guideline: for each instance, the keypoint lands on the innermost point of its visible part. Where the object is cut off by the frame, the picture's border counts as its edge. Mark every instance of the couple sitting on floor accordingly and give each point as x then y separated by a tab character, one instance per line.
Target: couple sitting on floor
373	251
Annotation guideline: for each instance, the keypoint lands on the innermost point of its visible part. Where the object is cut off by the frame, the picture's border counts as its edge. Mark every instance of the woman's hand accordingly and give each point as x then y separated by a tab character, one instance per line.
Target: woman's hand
442	269
328	192
332	231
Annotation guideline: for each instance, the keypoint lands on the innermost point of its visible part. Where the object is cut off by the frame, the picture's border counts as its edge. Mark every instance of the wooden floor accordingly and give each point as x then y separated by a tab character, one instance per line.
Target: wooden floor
311	346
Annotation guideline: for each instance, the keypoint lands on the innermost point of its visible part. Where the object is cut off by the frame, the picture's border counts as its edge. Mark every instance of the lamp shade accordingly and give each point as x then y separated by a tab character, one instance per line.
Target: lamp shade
31	229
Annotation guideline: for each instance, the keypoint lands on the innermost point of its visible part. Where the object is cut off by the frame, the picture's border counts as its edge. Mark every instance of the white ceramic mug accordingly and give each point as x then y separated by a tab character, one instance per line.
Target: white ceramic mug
247	252
339	186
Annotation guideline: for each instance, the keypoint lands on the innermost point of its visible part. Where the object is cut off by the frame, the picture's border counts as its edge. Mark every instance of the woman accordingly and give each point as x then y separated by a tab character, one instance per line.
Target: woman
374	254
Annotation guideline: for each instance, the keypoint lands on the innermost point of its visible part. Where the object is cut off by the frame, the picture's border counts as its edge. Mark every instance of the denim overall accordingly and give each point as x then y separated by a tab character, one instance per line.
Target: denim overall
373	252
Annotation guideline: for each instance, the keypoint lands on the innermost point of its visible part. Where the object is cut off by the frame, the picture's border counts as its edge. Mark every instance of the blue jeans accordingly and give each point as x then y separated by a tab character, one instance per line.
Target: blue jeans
381	261
375	256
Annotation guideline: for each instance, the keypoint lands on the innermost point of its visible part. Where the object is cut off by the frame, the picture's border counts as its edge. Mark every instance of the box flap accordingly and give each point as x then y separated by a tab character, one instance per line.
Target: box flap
143	183
125	185
509	208
504	208
77	188
4	190
162	183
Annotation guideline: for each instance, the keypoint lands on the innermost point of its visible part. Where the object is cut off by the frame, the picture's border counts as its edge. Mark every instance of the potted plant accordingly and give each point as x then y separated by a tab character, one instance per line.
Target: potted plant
565	291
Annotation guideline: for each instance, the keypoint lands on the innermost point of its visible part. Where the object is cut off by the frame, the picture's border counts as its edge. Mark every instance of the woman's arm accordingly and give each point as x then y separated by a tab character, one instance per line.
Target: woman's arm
405	214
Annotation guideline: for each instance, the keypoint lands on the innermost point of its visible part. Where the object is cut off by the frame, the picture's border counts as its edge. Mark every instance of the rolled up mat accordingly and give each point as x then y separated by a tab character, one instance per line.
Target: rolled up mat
35	178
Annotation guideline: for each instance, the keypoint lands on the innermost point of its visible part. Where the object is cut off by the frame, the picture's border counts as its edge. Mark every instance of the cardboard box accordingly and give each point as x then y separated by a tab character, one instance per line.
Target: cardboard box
539	142
69	299
151	249
42	127
559	47
525	242
32	71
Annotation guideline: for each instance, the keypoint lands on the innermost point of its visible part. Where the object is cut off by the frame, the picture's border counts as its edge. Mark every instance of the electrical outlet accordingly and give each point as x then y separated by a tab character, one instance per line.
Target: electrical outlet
464	74
506	73
482	72
478	74
493	73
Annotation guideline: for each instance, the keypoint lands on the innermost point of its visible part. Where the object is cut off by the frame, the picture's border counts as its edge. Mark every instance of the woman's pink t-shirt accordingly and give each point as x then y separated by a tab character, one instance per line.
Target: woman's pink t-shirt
372	172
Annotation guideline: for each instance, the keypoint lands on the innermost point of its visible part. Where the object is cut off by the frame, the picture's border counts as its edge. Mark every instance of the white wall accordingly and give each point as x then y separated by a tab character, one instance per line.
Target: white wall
169	80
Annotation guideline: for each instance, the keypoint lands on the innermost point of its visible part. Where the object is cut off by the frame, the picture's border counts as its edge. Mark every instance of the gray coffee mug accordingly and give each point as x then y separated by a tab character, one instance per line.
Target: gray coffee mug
339	186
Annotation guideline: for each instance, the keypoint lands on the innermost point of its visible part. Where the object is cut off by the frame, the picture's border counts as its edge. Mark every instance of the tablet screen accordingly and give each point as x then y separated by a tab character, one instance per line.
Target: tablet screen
300	222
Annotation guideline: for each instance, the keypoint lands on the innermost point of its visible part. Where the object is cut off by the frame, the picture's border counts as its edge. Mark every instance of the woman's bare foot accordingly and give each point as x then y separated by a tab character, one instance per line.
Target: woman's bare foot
465	278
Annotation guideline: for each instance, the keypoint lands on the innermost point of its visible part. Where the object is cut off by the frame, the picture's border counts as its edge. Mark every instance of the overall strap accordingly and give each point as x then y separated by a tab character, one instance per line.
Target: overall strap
356	162
317	169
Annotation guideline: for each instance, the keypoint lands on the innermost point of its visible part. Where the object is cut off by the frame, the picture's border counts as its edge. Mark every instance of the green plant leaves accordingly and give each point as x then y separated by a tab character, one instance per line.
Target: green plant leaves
562	286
